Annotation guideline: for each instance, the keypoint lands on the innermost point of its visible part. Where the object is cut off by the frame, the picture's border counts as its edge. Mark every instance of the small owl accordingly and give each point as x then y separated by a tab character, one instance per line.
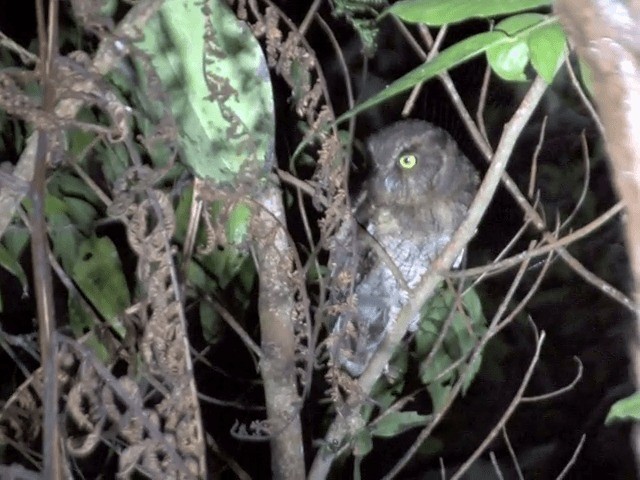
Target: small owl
416	196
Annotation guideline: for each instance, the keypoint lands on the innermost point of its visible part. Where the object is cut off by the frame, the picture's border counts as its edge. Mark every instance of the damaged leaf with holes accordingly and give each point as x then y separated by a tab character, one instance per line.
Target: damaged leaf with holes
217	79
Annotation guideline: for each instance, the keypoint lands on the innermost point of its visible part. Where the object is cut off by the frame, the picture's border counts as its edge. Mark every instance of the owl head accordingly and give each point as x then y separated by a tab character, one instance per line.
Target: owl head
412	161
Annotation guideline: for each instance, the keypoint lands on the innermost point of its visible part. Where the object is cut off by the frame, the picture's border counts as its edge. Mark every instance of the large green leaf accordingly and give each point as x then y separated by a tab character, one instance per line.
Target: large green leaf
218	84
441	12
447	59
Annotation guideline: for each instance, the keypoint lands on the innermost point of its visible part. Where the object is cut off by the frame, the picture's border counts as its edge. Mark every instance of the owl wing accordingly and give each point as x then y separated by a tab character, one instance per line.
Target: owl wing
360	324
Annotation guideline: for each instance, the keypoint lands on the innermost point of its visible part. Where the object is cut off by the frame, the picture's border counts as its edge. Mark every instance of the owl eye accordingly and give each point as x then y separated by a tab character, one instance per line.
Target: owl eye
408	161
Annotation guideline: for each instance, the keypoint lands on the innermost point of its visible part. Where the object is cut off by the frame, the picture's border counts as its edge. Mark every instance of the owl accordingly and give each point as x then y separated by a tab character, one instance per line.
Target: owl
415	197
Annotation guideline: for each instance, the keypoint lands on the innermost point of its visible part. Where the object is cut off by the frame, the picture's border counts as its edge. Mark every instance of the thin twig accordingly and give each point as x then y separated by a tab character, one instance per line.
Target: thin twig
583	96
585	183
534	160
561	242
524	301
311	11
507	414
25	55
504	251
433	50
504	304
482	102
512	452
560	391
496	466
235	326
606	288
573	458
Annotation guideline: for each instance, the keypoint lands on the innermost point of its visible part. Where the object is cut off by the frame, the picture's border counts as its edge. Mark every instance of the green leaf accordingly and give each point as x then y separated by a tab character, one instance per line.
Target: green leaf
197	277
82	213
98	273
114	160
509	60
183	210
425	337
79	321
16	239
65	238
394	423
462	338
625	409
361	15
238	223
211	323
11	264
440	363
471	372
439	395
446	60
362	443
82	323
472	304
247	273
63	184
99	349
441	12
547	46
219	86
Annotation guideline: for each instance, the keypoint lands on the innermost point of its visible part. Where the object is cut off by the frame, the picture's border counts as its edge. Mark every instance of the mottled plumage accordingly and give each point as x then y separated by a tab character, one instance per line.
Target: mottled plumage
416	196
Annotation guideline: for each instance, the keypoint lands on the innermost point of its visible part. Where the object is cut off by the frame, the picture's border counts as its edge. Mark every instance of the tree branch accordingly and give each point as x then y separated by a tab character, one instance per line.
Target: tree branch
276	304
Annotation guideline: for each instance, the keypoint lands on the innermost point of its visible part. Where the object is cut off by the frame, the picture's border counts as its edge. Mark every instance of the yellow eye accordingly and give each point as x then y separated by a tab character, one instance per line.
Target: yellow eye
408	161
